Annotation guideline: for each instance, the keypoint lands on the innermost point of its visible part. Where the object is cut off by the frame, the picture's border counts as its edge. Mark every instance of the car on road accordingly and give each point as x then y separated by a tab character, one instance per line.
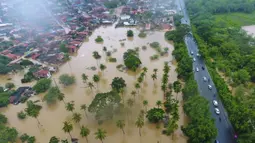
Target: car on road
217	111
198	55
209	87
203	68
197	69
191	52
215	103
194	59
204	79
216	141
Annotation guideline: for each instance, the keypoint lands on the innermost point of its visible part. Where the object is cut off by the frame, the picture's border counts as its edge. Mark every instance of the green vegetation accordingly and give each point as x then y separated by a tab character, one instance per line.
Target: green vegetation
130	33
104	105
4	99
26	63
5	45
9	85
142	35
99	39
4	61
66	79
131	60
100	134
52	95
63	48
42	85
21	115
217	31
111	4
33	110
24	137
201	127
155	115
118	83
6	134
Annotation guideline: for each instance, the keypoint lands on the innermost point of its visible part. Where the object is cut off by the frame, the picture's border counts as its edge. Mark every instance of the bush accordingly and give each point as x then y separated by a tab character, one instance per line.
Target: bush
132	62
63	48
26	63
154	57
9	85
42	85
31	139
3	119
66	79
4	99
21	115
142	35
99	39
155	44
155	115
113	60
24	137
130	33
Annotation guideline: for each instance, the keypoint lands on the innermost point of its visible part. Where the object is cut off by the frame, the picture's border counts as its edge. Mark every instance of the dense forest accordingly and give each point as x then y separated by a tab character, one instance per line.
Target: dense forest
229	50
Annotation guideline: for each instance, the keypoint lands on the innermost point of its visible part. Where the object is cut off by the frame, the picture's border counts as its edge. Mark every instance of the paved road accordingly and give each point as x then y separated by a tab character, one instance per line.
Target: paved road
225	129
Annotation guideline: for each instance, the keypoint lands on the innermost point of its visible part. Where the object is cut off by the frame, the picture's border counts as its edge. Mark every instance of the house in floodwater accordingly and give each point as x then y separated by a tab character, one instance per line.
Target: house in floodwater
21	91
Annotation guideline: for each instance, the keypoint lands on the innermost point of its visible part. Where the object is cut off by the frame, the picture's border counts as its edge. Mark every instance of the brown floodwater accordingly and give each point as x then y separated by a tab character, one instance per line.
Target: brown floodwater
52	117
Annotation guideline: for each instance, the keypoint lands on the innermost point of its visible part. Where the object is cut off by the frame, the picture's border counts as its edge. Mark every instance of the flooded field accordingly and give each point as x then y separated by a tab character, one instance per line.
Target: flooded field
52	117
249	29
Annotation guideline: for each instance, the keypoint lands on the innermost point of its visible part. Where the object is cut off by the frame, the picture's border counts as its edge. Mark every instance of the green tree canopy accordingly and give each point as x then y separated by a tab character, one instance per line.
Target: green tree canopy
118	83
130	33
66	79
63	48
42	85
54	140
52	95
8	134
155	115
104	104
3	119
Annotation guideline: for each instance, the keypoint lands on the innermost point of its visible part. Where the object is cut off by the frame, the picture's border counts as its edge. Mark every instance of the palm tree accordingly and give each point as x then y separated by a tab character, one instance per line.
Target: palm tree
133	93
139	123
33	110
102	67
130	102
84	77
100	134
61	97
145	104
122	93
97	57
155	70
177	87
67	128
145	69
154	77
91	85
159	103
84	132
64	141
120	124
142	113
76	117
140	79
143	74
84	107
96	79
54	140
70	106
137	86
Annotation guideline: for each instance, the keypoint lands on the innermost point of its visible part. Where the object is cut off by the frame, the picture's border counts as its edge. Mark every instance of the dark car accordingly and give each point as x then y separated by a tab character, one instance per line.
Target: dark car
203	68
216	141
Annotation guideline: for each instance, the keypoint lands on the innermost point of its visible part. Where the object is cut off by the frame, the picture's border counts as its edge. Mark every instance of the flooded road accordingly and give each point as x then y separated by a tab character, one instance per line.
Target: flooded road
52	117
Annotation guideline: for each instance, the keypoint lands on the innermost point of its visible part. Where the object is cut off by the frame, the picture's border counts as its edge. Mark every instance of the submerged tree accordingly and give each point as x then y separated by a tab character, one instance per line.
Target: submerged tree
54	140
145	104
84	132
121	124
118	83
97	57
137	87
66	79
155	115
76	117
70	106
96	79
139	124
91	85
177	87
102	67
133	93
67	128
100	134
84	107
159	103
52	95
33	110
84	78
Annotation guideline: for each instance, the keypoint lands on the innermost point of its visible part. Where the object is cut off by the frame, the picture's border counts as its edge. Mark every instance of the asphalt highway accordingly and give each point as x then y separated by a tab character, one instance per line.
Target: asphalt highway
225	129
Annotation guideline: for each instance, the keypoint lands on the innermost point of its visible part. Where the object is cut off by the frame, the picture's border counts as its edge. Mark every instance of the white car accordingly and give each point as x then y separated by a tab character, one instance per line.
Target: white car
217	111
198	55
210	87
215	103
197	69
191	53
204	79
194	59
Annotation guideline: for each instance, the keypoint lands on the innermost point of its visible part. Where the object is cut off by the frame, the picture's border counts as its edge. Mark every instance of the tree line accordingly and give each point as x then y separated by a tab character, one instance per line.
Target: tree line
231	51
201	127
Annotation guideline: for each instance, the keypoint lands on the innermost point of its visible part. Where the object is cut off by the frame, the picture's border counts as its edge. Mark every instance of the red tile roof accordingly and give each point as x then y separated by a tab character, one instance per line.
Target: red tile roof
5	52
71	47
12	56
35	56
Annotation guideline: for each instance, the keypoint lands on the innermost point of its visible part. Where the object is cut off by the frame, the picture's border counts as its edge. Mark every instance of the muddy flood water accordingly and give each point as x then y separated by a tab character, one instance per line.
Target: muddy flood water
52	117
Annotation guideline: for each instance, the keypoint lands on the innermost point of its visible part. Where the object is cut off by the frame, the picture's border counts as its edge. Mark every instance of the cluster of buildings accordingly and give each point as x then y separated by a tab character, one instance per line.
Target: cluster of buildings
148	14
